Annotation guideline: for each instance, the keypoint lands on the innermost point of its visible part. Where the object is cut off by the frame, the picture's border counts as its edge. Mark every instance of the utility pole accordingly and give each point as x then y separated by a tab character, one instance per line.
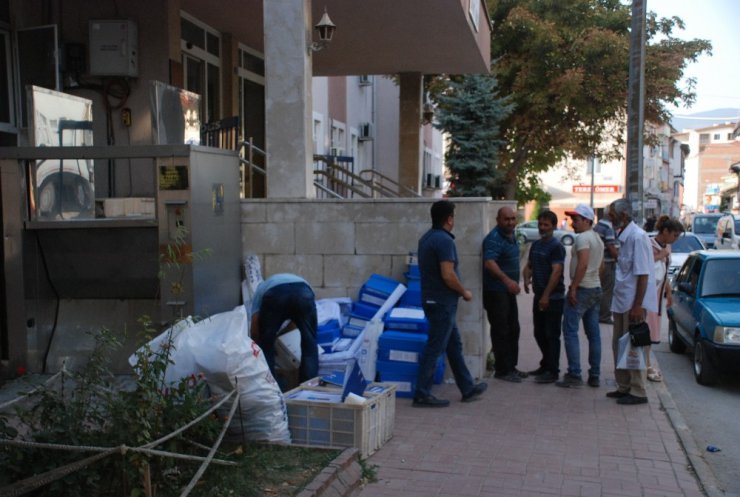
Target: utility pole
636	111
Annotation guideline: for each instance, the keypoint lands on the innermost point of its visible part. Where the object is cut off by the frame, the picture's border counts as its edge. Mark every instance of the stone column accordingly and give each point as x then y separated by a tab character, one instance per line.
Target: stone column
409	131
288	121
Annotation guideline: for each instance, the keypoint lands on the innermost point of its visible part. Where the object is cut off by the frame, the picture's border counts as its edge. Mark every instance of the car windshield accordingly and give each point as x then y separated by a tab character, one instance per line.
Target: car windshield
686	244
737	226
705	225
721	278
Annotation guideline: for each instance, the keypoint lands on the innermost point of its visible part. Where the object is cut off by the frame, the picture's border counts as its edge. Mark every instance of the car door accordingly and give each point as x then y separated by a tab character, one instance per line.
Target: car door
684	297
724	233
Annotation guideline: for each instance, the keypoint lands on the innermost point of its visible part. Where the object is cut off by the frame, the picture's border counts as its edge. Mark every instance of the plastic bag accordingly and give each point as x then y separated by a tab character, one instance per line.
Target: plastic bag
367	353
629	356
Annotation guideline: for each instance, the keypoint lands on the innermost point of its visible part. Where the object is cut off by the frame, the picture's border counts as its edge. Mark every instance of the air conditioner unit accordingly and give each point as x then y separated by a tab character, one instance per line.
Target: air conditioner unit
366	131
364	80
336	151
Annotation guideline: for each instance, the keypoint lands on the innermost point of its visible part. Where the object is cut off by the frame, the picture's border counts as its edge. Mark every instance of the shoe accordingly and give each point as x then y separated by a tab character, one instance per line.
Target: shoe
511	377
536	372
520	374
475	393
631	400
569	381
617	394
606	321
430	401
593	381
654	375
546	377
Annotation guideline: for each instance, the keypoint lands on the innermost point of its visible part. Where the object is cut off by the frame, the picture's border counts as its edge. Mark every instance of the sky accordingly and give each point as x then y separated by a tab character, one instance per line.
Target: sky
718	75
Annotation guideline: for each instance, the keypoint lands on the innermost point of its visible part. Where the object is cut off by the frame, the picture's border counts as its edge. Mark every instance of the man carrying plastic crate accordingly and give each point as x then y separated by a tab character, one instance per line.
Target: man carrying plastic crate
441	289
279	298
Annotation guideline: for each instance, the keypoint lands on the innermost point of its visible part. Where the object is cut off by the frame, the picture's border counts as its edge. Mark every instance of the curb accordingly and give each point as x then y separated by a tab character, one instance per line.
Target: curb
704	475
339	479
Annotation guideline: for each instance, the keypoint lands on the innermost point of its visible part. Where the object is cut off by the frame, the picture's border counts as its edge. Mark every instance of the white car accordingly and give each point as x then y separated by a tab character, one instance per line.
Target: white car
529	232
680	250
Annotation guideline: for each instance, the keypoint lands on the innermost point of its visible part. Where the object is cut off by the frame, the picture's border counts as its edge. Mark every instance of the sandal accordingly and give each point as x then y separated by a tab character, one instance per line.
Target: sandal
654	375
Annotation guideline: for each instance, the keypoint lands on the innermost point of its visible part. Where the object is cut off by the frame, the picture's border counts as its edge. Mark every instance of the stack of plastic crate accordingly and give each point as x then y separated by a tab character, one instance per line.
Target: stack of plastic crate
412	296
399	353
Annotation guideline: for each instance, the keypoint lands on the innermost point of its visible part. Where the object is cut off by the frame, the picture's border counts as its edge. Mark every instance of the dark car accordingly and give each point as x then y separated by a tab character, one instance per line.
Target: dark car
706	312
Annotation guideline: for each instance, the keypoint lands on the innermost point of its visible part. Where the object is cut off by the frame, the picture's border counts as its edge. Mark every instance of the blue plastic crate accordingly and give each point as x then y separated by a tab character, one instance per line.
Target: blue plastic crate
413	272
327	336
328	325
351	331
401	346
403	375
358	321
377	289
407	319
364	309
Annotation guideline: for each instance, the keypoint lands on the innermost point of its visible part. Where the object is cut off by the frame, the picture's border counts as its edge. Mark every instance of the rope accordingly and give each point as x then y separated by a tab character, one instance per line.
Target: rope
203	466
36	481
195	421
23	396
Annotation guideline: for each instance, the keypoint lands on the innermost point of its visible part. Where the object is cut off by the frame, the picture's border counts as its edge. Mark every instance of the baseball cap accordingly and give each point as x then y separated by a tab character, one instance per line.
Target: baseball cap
582	210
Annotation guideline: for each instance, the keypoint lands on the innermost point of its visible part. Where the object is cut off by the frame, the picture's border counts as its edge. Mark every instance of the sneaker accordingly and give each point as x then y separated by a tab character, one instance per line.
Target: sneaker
475	393
511	377
430	401
546	377
606	321
593	381
569	381
536	372
520	374
631	400
616	394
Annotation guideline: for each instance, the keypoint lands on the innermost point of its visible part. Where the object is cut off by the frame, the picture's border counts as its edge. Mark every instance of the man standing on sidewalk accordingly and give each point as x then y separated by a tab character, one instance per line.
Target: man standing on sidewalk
500	288
583	299
544	270
605	230
634	294
440	290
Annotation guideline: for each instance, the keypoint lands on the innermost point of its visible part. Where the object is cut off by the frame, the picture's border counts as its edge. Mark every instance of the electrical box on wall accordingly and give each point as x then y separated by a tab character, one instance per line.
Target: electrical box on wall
114	48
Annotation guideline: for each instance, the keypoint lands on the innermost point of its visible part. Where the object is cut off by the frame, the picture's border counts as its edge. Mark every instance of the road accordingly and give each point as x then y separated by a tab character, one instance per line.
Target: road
711	413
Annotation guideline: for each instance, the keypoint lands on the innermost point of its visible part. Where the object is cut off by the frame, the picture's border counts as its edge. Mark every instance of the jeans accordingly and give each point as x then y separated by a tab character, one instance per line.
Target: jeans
443	337
547	332
296	302
503	317
607	288
587	308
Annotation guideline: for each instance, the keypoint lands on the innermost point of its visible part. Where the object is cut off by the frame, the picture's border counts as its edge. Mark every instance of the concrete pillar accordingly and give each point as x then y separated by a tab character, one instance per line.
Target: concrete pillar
288	121
409	131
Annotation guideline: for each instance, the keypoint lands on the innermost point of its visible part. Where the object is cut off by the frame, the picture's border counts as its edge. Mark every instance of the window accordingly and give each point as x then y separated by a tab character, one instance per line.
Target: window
703	138
7	114
318	133
337	138
715	137
201	48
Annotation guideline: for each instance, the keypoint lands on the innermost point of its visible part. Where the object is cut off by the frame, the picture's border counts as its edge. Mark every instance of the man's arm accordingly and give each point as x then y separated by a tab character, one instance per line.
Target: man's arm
511	285
527	276
637	312
557	270
254	327
613	251
581	267
450	278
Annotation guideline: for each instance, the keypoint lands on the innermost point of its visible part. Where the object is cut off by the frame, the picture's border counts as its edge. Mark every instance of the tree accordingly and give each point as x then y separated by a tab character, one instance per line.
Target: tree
470	112
564	65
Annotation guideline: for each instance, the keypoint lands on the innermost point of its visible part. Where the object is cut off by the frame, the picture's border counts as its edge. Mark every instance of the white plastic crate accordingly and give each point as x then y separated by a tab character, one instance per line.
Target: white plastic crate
366	426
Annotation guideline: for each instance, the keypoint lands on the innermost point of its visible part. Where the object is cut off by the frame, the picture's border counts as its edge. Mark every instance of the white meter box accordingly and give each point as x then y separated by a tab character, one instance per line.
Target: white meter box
114	48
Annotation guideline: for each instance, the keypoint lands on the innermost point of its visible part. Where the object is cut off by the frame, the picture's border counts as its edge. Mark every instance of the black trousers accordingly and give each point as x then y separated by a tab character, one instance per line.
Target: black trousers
547	325
503	316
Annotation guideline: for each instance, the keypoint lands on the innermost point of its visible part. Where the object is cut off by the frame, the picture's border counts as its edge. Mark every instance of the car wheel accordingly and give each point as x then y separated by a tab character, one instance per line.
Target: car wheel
704	371
567	240
674	341
521	239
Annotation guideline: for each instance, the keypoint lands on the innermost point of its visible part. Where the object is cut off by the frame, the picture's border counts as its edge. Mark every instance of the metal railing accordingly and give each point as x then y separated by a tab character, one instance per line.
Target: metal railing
252	160
333	179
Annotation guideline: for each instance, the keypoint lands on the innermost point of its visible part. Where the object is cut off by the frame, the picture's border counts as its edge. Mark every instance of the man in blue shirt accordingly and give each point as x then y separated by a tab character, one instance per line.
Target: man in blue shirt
440	290
500	288
280	298
608	268
544	271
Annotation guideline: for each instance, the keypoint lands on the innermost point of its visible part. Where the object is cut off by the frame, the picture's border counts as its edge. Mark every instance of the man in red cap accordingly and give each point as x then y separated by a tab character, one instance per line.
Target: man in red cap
583	299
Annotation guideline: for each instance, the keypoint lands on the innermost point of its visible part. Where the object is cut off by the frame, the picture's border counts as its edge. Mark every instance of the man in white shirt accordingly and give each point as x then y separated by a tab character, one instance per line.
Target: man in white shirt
583	299
634	295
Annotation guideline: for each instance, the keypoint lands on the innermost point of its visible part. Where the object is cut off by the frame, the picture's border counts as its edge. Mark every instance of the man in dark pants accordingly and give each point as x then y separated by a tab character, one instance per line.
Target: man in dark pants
544	270
500	288
440	290
611	248
280	298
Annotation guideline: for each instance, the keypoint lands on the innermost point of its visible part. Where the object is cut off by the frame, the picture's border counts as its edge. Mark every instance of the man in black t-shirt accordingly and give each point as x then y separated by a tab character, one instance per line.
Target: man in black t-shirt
544	270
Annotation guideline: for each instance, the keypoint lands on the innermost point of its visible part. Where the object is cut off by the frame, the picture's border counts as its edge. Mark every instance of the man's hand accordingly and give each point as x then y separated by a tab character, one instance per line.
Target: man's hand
544	302
467	295
637	314
513	287
572	298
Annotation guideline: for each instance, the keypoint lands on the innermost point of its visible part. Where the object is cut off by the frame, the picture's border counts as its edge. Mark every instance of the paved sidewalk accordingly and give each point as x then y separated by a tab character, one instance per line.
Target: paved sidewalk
532	440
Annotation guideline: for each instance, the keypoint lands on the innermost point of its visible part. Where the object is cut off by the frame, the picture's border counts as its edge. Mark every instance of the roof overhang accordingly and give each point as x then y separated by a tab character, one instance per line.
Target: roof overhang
374	37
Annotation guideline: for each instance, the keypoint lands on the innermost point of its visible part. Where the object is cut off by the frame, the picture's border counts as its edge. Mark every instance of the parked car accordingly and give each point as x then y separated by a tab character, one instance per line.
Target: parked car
528	232
705	227
680	249
705	314
728	232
